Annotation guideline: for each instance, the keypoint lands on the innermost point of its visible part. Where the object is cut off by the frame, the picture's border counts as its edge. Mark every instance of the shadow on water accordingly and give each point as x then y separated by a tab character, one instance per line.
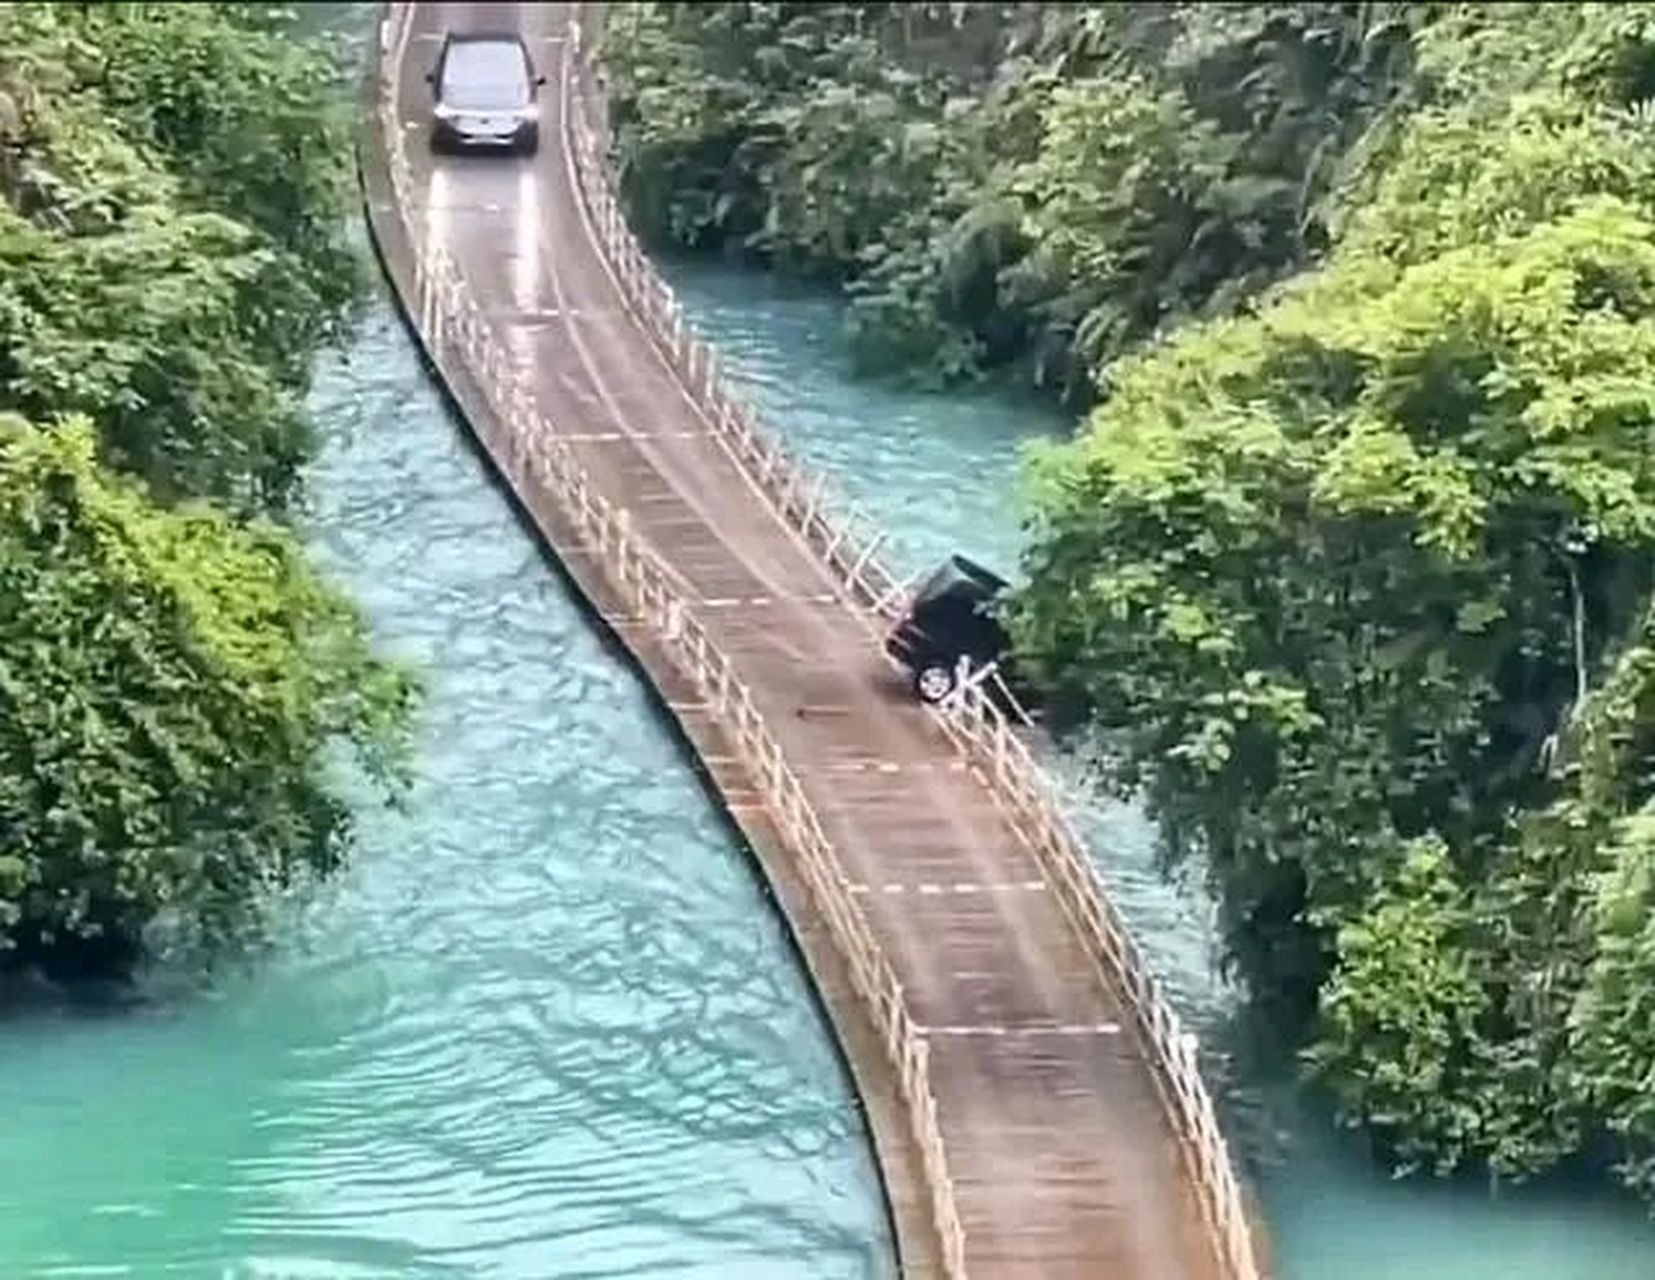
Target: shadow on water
27	993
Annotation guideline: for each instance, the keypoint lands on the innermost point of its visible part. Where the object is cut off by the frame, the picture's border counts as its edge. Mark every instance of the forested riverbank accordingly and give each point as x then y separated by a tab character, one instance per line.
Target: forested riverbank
1042	186
1350	562
175	184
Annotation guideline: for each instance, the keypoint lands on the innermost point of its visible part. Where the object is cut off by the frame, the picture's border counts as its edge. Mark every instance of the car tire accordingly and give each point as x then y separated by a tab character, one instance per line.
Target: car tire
933	681
529	144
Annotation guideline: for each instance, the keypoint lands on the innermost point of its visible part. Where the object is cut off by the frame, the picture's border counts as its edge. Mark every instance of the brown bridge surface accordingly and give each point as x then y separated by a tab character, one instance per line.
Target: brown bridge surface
1063	1158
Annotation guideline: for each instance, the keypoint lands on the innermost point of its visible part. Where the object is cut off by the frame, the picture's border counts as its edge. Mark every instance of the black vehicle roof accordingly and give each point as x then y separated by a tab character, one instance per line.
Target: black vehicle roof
959	576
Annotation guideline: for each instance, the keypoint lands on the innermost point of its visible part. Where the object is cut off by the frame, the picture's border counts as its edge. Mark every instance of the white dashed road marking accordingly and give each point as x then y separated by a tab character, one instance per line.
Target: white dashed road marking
968	886
737	602
1051	1029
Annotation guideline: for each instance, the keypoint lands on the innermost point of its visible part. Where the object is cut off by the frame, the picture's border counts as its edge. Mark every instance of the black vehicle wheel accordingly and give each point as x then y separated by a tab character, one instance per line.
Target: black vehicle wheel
933	681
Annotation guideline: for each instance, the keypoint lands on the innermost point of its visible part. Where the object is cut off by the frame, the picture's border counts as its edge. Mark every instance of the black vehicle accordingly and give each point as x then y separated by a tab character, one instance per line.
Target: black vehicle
953	616
484	87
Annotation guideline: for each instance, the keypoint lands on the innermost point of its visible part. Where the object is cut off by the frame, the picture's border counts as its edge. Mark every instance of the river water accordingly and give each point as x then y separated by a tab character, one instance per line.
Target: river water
548	1025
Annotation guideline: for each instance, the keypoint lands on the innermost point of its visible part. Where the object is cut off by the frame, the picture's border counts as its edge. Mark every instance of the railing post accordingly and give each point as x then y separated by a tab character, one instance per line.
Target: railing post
817	493
789	488
772	459
853	579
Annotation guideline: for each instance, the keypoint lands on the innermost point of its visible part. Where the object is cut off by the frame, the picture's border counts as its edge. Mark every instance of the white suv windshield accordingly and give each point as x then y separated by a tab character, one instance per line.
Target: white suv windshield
485	76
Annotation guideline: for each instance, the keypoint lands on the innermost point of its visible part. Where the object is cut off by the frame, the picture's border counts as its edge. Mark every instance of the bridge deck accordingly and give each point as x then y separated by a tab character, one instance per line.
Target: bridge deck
1063	1161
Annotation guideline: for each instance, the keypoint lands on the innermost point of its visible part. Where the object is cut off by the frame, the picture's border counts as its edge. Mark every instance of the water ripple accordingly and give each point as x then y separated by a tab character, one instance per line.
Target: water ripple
547	1025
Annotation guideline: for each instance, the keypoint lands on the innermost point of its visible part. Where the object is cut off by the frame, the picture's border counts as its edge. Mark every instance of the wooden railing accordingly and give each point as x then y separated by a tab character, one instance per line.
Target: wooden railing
1026	795
850	547
850	543
540	465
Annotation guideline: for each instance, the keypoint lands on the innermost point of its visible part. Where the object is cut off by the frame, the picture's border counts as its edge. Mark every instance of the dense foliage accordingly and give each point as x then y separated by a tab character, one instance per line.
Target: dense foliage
1363	587
170	683
1354	562
251	121
171	245
173	185
1041	183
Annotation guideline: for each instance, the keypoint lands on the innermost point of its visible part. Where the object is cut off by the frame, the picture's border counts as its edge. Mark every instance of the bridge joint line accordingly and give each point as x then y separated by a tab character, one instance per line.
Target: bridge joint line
739	602
527	316
958	888
1000	1030
622	437
895	767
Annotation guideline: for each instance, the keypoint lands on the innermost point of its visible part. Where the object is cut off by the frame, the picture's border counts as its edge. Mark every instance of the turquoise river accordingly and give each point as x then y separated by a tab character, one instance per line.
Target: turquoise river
548	1026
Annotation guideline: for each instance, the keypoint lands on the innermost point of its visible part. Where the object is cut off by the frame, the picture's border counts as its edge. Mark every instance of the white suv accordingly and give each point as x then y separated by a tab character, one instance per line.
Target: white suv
484	88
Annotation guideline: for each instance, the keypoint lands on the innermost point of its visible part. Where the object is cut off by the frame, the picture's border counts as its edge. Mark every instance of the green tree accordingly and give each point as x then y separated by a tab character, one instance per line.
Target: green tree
174	679
253	120
1404	1012
964	168
169	685
1355	584
155	274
